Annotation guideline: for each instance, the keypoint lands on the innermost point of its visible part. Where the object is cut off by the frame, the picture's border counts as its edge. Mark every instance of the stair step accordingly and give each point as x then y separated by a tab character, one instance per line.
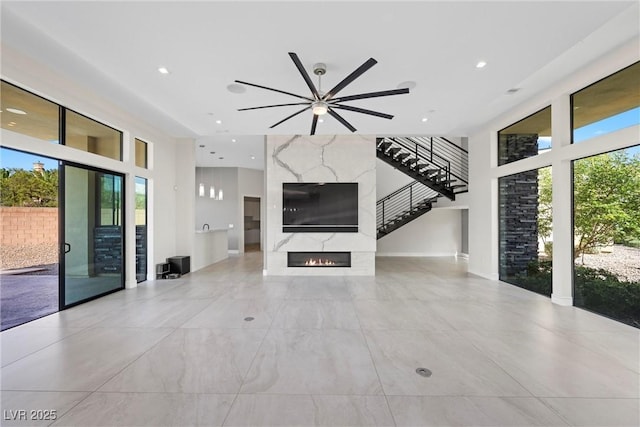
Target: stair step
384	146
458	186
400	157
429	172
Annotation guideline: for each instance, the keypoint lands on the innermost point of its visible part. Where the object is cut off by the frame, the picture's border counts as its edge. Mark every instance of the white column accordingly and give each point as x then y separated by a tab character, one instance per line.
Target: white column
128	157
185	163
562	289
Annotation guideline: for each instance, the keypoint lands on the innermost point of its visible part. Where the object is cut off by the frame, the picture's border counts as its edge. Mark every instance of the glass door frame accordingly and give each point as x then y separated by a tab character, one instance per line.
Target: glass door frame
146	225
62	232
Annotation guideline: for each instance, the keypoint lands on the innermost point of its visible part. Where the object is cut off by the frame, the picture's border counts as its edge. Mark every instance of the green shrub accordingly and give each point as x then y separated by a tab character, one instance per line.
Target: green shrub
600	291
594	289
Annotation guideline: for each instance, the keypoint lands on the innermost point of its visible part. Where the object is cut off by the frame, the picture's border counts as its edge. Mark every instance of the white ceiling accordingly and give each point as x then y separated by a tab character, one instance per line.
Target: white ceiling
117	47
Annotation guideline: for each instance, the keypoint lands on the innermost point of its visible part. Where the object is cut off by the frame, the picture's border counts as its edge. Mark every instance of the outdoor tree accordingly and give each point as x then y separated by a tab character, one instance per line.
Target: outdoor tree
19	187
545	212
606	201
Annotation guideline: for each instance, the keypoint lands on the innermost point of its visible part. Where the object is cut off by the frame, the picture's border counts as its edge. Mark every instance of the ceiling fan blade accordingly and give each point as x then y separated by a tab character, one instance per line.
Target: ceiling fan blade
291	116
351	77
304	74
372	95
314	123
363	111
339	118
274	90
271	106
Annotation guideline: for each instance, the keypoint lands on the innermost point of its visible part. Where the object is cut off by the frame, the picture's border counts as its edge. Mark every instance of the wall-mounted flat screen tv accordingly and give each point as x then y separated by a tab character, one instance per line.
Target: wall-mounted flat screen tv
320	207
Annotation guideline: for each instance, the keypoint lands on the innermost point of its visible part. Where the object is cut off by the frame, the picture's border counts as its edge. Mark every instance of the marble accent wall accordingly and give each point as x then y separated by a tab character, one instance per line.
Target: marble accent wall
321	158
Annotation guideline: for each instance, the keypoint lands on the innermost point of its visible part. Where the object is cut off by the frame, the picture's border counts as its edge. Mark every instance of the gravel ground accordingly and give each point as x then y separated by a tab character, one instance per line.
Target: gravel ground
623	262
28	255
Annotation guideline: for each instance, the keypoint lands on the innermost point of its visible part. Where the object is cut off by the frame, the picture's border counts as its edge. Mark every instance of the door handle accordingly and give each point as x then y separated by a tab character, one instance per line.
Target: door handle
67	248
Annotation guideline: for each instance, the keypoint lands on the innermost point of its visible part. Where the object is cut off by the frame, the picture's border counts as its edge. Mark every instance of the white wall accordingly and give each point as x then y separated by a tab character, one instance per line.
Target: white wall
184	163
236	183
484	172
436	233
388	179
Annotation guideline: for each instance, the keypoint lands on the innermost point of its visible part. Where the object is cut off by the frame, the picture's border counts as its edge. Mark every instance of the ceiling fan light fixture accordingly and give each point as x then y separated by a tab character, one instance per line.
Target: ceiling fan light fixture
319	108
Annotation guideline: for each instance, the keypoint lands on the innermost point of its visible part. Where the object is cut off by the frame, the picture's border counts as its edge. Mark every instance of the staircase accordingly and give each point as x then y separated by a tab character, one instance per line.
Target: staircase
438	167
434	161
403	206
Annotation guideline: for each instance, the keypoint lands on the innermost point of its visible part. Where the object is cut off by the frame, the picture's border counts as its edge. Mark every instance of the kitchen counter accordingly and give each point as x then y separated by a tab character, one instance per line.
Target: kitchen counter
210	246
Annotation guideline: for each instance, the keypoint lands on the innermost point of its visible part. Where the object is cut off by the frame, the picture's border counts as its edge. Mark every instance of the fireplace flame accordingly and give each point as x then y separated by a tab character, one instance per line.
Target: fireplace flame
319	261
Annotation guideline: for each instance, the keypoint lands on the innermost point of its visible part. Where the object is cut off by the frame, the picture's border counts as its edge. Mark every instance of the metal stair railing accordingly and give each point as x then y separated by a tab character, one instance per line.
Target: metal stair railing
450	160
457	156
403	202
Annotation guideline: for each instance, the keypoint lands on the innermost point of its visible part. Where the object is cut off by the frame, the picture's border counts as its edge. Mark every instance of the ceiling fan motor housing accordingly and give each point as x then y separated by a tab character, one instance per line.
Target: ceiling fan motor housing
319	69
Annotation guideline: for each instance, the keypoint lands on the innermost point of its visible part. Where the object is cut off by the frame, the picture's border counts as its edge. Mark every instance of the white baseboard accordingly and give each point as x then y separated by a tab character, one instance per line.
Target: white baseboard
463	256
416	254
492	276
564	301
233	251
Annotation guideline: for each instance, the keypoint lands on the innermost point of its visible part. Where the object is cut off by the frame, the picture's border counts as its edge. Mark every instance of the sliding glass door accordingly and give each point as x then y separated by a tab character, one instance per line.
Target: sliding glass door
92	236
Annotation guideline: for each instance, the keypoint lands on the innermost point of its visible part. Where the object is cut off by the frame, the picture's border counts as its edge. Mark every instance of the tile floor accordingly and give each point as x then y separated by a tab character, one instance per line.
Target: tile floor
323	351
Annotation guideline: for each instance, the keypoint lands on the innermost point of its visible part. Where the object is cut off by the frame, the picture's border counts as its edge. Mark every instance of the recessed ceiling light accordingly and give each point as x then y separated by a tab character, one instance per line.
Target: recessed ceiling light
12	123
424	119
236	88
16	111
513	90
253	157
212	152
219	122
481	64
233	140
221	158
163	70
201	145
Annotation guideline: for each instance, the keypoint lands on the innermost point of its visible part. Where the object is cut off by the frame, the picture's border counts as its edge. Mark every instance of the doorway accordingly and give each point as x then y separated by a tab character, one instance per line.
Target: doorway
252	230
92	234
29	234
62	235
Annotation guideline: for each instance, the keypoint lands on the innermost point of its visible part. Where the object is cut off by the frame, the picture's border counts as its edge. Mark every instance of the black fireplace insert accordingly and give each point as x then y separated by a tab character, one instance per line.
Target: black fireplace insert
318	259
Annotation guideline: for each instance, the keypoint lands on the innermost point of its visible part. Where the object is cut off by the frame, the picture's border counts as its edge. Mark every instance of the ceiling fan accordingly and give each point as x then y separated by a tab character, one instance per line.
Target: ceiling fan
322	103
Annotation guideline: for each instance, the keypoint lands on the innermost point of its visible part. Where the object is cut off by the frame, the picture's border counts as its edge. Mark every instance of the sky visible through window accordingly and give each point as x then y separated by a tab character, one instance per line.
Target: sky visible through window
11	159
608	125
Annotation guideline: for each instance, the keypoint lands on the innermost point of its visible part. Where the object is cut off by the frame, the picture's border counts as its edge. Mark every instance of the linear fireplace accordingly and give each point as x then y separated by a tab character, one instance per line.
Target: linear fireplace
318	259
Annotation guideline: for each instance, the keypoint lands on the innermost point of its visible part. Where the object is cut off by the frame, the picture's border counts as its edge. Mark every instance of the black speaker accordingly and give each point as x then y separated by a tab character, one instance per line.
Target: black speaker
179	264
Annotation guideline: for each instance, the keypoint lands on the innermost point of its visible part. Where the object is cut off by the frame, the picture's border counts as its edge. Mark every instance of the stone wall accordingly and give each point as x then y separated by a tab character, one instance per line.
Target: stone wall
518	222
512	147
